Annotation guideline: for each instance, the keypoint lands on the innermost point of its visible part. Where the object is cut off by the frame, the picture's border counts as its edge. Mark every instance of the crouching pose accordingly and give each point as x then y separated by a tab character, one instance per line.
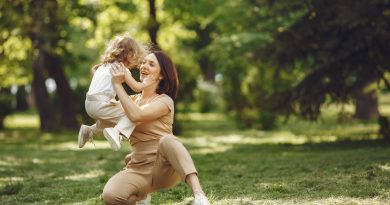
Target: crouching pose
158	160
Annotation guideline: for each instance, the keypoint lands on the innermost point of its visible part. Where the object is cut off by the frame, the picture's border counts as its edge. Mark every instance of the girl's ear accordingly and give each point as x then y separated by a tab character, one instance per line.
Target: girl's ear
161	77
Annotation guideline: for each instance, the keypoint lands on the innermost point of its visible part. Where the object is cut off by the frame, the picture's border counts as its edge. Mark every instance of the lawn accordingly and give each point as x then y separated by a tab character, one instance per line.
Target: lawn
325	162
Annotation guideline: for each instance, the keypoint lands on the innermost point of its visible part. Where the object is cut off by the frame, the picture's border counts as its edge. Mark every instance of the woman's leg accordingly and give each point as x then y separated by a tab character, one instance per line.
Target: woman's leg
125	188
173	158
193	182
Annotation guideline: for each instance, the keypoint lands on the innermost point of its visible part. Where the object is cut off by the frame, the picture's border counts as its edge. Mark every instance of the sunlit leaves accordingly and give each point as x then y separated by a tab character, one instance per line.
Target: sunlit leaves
15	48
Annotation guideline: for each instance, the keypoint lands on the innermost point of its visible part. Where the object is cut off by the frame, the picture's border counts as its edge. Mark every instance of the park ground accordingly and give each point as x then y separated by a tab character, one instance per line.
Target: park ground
323	162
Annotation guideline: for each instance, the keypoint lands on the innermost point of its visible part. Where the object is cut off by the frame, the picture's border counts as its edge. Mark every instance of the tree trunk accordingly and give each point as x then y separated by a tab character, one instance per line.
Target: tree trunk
204	39
21	98
68	111
42	98
6	107
207	69
366	103
153	25
384	127
44	34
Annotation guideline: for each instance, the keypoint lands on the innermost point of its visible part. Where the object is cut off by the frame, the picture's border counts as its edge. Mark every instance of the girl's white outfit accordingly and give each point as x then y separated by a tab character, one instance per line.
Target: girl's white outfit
101	105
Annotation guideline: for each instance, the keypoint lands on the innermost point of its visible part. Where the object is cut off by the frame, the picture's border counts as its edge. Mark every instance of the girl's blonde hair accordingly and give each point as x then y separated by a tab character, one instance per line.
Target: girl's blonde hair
123	49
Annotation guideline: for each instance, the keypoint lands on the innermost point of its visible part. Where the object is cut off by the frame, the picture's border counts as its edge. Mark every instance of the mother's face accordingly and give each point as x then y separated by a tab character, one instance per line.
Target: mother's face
149	66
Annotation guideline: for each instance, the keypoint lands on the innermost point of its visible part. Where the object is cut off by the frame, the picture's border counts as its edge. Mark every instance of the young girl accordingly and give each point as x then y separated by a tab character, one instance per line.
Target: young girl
100	102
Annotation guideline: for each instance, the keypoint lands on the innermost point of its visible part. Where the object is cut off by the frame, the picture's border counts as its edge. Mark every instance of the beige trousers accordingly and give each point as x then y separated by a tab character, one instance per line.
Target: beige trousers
152	166
108	113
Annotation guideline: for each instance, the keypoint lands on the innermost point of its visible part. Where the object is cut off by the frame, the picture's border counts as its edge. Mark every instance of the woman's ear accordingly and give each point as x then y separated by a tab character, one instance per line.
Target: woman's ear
160	78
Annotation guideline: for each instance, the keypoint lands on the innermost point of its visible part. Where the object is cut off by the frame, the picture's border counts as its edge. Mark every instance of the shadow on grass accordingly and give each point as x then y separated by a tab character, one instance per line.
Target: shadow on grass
357	169
48	168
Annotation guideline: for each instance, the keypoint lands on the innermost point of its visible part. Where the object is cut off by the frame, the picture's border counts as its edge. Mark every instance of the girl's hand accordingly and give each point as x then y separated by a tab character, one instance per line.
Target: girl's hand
153	77
118	73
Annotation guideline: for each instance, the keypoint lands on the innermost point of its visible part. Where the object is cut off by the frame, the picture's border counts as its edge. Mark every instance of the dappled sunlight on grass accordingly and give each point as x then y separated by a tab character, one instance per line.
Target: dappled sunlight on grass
201	116
222	143
74	146
301	162
22	121
93	200
291	201
88	175
384	104
46	175
205	145
10	179
354	130
294	201
384	167
9	161
385	110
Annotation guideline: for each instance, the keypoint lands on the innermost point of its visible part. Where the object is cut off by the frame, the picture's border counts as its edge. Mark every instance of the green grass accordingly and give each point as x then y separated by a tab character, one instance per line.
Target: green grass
299	163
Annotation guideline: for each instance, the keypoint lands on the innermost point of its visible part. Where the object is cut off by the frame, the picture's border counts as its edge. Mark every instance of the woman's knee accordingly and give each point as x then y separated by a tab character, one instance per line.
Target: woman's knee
113	198
167	140
109	197
115	194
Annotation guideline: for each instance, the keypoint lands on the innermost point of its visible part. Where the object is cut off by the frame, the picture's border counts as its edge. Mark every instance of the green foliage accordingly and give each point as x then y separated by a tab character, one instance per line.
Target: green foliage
277	56
341	47
228	46
271	57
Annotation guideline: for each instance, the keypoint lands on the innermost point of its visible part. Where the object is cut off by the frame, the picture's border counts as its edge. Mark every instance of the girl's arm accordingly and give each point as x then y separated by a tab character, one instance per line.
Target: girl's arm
135	85
135	113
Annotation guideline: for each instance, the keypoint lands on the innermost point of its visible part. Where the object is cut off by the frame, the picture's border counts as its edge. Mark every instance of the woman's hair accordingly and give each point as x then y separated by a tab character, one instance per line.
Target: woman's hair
170	82
122	49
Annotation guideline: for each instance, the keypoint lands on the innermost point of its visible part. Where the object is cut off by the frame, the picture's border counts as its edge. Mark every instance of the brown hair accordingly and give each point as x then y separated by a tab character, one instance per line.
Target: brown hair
122	49
169	84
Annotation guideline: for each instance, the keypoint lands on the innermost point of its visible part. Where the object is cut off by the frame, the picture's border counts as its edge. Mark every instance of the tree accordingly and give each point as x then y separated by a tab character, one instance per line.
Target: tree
241	30
44	30
197	17
342	44
46	35
153	24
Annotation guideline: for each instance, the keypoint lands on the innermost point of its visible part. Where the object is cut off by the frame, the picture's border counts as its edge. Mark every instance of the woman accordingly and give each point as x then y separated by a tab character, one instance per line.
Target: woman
159	160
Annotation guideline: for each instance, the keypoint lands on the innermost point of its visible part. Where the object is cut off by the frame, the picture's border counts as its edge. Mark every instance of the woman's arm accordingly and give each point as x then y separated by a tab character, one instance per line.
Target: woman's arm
133	111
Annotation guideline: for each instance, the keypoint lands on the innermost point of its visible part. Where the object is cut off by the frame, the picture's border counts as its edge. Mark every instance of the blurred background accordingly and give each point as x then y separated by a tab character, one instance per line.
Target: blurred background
257	61
280	102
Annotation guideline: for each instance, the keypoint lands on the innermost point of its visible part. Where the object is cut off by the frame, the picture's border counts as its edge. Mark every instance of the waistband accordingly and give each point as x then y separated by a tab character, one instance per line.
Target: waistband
100	97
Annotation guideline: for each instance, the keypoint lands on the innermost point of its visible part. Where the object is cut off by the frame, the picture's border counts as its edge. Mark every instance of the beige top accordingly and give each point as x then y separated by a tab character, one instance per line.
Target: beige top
154	130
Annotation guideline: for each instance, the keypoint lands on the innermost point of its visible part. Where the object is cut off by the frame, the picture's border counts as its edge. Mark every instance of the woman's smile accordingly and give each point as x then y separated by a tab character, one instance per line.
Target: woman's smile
149	66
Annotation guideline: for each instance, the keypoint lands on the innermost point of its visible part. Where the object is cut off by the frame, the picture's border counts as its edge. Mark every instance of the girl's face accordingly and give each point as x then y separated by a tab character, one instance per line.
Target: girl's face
149	66
128	64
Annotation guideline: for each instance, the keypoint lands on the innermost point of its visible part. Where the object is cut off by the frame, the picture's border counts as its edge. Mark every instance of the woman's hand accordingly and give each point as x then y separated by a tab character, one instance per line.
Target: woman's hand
118	73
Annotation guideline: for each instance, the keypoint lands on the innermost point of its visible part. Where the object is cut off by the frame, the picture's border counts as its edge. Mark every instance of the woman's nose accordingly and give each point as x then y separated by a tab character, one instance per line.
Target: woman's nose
143	67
